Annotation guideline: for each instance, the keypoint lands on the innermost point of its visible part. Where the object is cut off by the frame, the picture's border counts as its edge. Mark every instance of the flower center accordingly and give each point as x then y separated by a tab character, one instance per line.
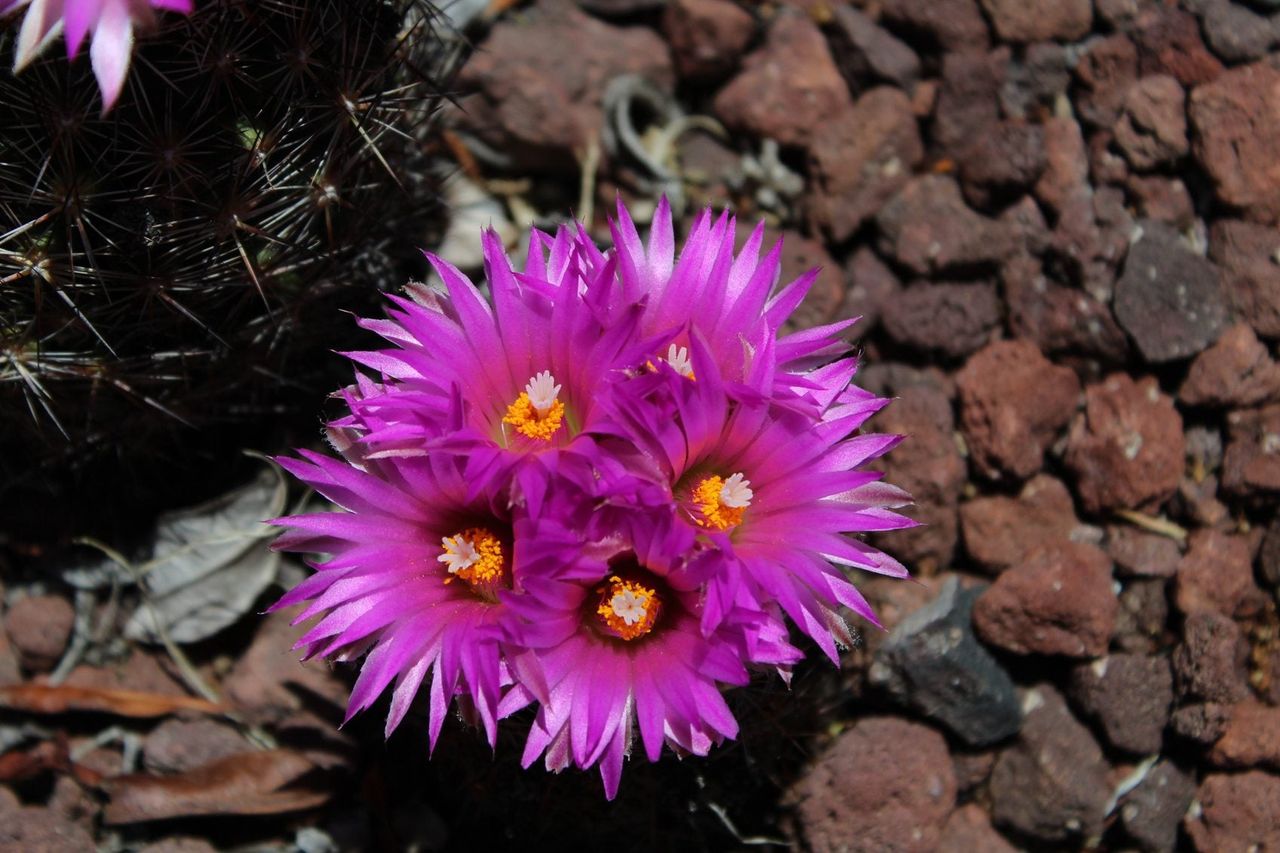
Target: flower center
722	503
537	413
627	609
678	358
475	555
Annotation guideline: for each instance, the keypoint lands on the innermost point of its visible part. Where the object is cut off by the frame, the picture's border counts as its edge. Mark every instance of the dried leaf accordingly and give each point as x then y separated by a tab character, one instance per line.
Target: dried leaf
50	699
251	783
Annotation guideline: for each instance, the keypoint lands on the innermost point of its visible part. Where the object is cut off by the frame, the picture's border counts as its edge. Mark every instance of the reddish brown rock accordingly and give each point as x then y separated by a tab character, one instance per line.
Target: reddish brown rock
1027	224
1039	20
1091	238
954	319
538	109
1057	318
1235	33
968	830
886	784
268	682
1210	662
1200	722
1013	403
1058	602
1142	617
707	37
1217	574
788	87
1152	128
859	159
1252	461
142	671
928	228
1168	42
177	745
866	53
1140	554
1162	199
968	97
1250	256
1236	371
973	769
1106	70
1000	164
39	626
1251	739
1237	138
1000	532
870	286
800	255
955	25
1170	300
1066	171
1126	450
1130	697
1238	811
1051	784
33	829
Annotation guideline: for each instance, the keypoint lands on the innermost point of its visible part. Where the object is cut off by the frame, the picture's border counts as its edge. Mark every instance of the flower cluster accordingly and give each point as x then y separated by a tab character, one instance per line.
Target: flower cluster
110	23
602	491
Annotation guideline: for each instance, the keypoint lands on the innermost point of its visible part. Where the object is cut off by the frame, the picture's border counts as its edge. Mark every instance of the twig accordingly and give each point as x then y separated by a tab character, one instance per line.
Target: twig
1162	526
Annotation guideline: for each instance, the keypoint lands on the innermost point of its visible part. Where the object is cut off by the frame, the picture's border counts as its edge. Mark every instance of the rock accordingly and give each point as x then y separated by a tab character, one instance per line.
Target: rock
1035	81
1091	238
1168	42
1152	811
1130	697
1201	722
886	784
531	105
1013	403
1269	554
1126	450
1210	662
1169	299
1066	171
859	159
268	682
142	671
1000	532
1058	602
1152	128
1120	14
954	319
1106	164
178	745
954	25
1141	619
1217	574
180	844
9	672
1236	371
1237	138
1251	738
1027	226
1056	318
929	466
867	53
799	256
1162	199
1106	70
706	36
871	286
1250	256
973	769
933	664
968	830
968	97
1140	554
1252	461
928	229
1051	784
787	87
1238	811
1040	20
1235	33
1000	164
34	829
39	626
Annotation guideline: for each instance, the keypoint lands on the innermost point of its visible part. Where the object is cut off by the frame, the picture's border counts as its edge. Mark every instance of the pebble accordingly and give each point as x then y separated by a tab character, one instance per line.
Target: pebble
1251	738
1138	553
1252	461
1002	163
870	287
179	745
39	627
1168	42
1000	532
1152	128
951	318
1236	33
954	25
1238	811
1058	319
928	229
1130	697
1237	138
1249	255
968	830
867	53
1152	812
706	37
1039	20
1209	664
1216	574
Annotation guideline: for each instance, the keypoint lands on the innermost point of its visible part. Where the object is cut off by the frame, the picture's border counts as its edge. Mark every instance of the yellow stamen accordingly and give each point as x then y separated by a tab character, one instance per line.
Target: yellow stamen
537	413
475	555
628	609
721	504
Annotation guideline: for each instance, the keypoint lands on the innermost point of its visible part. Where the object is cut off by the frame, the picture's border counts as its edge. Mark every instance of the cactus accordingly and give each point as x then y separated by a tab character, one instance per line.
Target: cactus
170	272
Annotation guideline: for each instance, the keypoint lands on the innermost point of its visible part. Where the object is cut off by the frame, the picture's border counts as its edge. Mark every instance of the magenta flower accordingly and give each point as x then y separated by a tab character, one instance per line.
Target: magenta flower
110	22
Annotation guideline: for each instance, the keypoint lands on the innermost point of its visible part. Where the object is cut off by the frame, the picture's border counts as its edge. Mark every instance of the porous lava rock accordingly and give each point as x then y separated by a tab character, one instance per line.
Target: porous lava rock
1237	138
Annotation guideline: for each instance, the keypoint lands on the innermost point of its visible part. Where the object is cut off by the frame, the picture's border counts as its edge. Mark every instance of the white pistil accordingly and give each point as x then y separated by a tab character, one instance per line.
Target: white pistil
628	606
458	554
542	390
678	358
736	492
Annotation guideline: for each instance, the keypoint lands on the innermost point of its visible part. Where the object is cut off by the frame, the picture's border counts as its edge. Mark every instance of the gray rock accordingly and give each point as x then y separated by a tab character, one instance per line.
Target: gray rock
1152	811
1130	696
933	663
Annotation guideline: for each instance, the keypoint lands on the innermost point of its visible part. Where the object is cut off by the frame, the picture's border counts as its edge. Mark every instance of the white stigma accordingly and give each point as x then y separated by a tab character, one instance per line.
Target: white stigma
628	606
678	358
736	492
542	390
458	554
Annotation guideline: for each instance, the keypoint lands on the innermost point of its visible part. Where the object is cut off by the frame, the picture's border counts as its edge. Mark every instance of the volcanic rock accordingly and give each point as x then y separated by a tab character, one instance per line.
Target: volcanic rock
1130	697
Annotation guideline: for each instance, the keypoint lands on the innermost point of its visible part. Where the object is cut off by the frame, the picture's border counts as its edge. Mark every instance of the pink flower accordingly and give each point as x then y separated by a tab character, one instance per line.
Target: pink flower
111	23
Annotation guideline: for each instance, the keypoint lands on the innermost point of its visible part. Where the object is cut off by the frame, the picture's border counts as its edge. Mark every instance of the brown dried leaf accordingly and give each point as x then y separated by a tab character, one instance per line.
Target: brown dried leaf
251	783
50	699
